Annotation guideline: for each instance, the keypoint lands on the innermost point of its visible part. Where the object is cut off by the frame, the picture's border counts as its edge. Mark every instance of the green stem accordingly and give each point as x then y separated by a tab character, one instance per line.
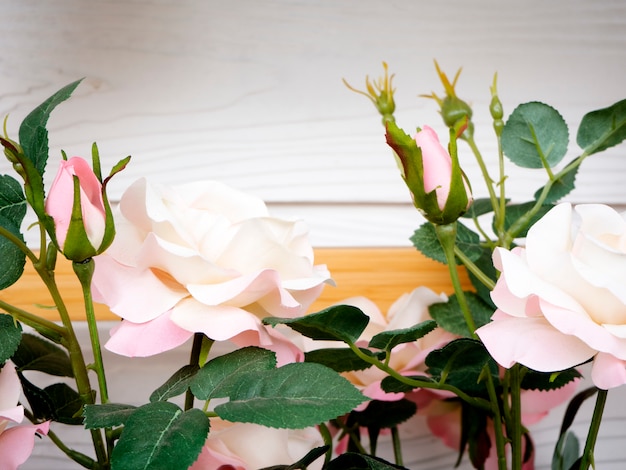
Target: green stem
497	421
594	428
483	169
328	440
47	328
474	401
475	270
499	219
523	221
194	359
77	359
447	237
515	426
84	271
397	449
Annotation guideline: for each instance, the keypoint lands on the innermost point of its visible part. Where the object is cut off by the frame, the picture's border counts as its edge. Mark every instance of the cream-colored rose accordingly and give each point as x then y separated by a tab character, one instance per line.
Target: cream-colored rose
203	257
562	299
246	446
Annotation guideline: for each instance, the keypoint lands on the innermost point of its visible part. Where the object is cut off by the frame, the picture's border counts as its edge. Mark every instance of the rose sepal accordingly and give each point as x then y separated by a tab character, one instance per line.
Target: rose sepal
410	156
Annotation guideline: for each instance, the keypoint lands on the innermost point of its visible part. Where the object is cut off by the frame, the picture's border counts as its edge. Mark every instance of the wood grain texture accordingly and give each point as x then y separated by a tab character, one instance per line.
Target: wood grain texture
381	274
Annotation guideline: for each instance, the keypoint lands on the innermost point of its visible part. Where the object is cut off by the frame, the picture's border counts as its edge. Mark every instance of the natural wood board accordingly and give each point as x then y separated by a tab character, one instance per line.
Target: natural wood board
381	274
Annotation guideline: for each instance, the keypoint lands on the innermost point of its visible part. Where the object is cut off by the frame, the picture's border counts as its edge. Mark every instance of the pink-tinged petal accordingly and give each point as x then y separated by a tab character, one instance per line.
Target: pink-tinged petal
536	404
444	421
374	391
16	444
146	339
218	458
412	308
534	343
580	325
240	291
268	338
437	164
608	371
218	322
10	390
118	286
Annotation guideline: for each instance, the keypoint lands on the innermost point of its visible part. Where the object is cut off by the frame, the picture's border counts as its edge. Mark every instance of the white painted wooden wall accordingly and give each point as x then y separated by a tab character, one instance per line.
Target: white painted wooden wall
249	92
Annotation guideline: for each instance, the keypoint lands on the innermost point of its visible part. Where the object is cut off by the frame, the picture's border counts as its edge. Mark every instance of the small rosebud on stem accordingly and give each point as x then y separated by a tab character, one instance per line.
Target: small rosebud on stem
380	93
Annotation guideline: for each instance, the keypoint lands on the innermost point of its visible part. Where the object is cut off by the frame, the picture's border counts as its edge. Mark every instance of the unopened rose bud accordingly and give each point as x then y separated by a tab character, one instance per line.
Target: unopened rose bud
438	186
77	203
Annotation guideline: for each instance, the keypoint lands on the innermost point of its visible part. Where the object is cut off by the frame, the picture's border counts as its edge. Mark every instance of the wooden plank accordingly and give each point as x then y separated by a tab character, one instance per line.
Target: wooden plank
382	274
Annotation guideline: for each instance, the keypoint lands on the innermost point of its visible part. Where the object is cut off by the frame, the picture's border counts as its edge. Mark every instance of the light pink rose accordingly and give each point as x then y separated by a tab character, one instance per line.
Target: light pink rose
16	442
408	358
246	446
562	299
203	257
437	165
61	199
443	417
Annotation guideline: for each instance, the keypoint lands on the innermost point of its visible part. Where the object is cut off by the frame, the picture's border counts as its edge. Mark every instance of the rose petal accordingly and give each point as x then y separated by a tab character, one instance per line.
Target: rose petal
218	322
146	339
16	444
111	286
534	343
608	371
10	391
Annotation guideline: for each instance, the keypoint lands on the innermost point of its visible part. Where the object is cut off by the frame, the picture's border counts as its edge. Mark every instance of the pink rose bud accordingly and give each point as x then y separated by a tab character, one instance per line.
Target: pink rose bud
439	188
82	236
437	165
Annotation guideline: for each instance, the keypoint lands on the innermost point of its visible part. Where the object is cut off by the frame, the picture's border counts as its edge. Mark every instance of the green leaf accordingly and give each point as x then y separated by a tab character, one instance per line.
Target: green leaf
392	385
66	403
354	461
294	396
12	259
35	353
304	462
176	385
603	128
426	241
33	134
566	452
10	337
57	402
535	136
339	323
560	187
385	414
339	359
12	200
107	415
534	380
515	211
461	362
160	436
218	376
449	315
387	340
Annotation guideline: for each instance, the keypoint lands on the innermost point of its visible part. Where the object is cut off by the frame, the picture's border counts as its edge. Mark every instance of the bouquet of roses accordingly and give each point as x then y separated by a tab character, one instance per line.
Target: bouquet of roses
204	263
